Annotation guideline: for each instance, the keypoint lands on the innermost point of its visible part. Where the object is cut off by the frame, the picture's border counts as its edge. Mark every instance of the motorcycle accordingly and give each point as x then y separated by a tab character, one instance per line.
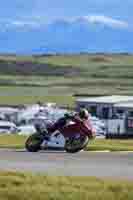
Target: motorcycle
56	141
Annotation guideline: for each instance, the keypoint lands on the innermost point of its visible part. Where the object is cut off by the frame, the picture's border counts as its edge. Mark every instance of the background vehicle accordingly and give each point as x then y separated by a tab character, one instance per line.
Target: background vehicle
7	127
27	129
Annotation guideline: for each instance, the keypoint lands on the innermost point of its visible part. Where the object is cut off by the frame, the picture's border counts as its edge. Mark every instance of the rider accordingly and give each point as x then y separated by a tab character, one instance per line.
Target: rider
85	124
82	124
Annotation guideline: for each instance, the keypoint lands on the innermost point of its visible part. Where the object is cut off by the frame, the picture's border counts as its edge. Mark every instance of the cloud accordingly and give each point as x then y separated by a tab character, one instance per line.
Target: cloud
98	20
101	19
36	22
24	23
20	24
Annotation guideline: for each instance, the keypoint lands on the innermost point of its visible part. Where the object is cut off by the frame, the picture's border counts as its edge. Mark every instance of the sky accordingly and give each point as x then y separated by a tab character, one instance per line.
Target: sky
49	10
17	16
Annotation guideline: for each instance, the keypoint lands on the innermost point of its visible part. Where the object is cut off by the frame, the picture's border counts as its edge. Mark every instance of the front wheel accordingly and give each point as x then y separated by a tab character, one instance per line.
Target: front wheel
74	145
33	142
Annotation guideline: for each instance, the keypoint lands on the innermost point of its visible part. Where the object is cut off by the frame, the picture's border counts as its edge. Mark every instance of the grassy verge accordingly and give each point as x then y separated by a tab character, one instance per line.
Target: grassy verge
12	141
22	186
16	141
111	145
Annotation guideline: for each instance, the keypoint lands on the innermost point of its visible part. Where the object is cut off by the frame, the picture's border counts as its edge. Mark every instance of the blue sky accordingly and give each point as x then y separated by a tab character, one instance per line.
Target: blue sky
48	10
21	20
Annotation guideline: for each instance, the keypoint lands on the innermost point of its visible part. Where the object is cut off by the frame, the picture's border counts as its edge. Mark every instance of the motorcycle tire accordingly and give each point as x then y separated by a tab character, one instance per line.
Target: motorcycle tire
74	149
33	142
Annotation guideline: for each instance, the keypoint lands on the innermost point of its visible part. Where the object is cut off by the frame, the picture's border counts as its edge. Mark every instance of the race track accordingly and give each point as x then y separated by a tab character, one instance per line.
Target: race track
100	164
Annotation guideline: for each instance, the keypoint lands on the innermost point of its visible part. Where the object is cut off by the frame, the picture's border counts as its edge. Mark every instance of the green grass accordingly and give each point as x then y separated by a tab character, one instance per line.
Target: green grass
111	145
60	90
22	186
12	141
16	141
29	95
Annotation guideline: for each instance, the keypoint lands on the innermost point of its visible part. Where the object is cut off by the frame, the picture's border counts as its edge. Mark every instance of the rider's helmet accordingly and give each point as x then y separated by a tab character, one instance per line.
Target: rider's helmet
83	113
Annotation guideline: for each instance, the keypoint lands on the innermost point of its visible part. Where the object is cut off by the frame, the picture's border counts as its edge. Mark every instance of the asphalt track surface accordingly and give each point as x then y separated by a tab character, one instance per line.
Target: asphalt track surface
99	164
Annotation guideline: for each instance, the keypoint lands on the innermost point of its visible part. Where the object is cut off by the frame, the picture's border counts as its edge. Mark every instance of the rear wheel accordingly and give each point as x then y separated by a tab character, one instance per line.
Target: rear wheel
33	142
74	145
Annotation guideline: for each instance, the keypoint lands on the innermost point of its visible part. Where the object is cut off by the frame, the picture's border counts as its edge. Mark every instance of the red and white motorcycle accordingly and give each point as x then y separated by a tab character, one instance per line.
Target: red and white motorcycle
56	141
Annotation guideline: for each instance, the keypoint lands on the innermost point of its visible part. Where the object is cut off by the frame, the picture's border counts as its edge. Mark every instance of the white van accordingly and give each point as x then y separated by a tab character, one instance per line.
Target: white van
26	129
7	127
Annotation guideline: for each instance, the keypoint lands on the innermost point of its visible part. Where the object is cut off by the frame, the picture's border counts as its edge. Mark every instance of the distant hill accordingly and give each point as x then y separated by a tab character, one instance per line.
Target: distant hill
72	65
80	74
